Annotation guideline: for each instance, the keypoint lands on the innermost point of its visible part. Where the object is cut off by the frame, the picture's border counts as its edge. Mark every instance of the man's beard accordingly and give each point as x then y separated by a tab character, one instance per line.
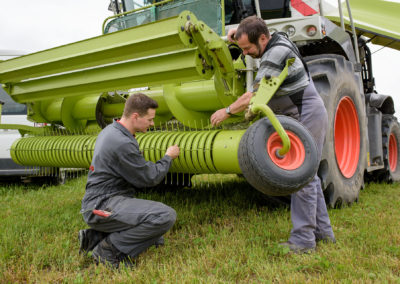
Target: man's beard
258	55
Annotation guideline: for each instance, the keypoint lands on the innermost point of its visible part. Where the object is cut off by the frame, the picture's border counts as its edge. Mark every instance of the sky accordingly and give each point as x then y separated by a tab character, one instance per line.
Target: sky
29	26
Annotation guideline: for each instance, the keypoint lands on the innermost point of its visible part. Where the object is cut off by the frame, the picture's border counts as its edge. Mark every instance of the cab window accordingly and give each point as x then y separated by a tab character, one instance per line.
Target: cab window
10	107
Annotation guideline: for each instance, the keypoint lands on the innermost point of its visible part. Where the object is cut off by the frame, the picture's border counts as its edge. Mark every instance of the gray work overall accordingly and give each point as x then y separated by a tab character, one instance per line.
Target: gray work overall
118	167
308	209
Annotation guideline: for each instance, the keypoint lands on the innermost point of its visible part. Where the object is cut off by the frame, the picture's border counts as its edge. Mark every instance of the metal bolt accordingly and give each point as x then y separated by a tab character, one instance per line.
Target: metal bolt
182	28
279	156
188	17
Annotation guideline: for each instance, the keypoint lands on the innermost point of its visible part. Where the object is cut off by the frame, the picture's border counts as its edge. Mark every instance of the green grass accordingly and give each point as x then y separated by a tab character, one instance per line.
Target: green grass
222	234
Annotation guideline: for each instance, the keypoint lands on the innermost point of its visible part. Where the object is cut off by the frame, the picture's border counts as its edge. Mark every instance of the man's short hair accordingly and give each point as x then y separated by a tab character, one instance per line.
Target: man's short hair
254	27
139	103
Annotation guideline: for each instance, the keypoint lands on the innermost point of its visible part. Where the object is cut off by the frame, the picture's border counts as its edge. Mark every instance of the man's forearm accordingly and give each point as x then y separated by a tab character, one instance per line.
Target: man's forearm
241	103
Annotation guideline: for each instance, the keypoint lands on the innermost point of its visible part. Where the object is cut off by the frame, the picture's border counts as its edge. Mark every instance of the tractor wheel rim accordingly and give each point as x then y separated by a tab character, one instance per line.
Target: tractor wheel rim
392	153
347	137
291	160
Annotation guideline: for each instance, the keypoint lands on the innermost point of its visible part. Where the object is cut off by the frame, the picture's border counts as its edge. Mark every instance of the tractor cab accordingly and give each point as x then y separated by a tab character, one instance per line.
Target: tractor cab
215	13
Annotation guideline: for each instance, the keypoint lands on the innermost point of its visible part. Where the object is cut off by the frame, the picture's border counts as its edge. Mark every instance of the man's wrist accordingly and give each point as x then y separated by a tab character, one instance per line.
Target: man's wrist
228	110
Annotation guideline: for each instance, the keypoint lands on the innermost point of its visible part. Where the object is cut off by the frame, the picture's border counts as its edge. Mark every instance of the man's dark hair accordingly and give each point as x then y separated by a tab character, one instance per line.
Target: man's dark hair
254	27
139	103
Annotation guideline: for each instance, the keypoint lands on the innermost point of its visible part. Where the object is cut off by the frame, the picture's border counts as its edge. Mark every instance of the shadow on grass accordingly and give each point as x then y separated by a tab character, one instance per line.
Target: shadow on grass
235	193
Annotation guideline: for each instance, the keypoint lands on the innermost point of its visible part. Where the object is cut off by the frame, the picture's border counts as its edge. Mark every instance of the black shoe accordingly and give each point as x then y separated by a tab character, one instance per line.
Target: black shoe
159	242
326	239
296	248
105	252
88	239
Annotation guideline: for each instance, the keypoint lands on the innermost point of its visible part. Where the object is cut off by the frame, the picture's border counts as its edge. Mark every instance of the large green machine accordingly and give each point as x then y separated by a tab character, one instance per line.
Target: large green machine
174	52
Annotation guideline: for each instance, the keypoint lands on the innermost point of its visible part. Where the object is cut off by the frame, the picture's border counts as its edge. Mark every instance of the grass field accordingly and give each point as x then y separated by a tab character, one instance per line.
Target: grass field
223	234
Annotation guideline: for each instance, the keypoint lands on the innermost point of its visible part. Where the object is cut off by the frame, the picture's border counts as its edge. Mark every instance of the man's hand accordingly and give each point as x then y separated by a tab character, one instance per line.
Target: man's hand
231	35
218	117
173	151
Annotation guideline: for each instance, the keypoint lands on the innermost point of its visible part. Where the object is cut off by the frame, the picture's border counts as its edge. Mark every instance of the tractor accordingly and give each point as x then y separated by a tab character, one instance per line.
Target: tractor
176	52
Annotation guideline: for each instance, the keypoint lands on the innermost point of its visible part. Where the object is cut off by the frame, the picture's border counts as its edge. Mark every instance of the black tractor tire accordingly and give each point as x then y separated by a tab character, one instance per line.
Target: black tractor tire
268	173
345	150
391	149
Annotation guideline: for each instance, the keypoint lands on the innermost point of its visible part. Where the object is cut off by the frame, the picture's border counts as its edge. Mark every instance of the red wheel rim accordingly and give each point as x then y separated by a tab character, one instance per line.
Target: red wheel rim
294	158
347	137
392	153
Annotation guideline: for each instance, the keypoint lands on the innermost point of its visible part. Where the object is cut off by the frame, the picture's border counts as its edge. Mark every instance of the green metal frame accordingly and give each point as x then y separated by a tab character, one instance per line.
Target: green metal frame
258	104
187	69
376	19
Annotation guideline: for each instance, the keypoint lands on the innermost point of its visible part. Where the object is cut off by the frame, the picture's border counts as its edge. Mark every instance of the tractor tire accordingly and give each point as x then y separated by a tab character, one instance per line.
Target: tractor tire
273	175
391	149
345	150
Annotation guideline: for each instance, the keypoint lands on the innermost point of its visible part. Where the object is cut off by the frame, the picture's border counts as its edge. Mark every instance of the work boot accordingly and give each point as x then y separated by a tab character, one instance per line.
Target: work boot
326	239
105	252
159	242
88	239
296	248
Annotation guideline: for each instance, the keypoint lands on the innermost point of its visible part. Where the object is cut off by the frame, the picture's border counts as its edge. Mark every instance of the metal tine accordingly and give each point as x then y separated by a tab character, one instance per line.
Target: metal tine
202	128
190	180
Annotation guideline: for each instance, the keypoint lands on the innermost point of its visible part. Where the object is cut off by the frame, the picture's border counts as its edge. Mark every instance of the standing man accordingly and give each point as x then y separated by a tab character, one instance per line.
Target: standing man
124	226
298	98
